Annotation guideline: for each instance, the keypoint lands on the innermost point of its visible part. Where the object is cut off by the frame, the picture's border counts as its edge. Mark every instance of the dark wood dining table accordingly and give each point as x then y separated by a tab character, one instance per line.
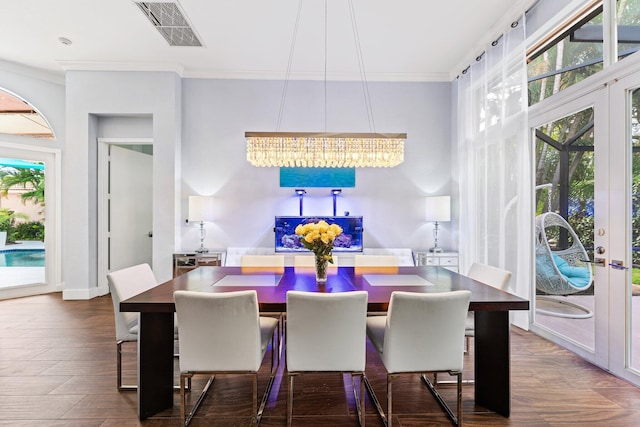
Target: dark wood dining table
156	307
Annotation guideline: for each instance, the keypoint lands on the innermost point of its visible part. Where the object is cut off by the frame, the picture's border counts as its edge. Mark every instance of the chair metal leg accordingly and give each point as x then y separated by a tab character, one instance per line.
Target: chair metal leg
359	397
456	419
389	400
459	374
183	400
119	369
290	400
374	400
187	419
254	390
265	396
119	372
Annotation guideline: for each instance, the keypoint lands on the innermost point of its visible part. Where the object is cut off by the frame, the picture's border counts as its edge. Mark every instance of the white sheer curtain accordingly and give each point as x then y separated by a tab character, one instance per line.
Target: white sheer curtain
495	162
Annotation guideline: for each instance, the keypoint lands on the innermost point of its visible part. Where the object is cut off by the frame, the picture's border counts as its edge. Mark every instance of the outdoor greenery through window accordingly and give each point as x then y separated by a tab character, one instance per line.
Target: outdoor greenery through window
635	183
628	22
21	200
577	51
564	173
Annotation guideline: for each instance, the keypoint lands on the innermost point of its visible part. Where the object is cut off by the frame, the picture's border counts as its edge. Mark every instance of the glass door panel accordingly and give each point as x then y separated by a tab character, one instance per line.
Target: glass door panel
623	228
565	209
29	263
634	233
628	23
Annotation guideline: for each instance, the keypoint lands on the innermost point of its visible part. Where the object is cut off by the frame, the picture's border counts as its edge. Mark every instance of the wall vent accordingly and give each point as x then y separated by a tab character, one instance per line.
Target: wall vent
171	22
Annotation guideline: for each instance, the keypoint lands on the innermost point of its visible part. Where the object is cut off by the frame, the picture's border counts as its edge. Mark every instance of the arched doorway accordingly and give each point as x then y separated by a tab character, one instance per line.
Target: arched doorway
30	175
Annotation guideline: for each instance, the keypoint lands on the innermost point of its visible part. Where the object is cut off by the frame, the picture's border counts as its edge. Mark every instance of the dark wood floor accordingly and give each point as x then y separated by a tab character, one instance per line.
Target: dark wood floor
58	367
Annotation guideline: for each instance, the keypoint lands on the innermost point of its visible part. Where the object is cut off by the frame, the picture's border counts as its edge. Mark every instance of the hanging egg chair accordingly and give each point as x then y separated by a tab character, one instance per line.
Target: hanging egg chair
561	272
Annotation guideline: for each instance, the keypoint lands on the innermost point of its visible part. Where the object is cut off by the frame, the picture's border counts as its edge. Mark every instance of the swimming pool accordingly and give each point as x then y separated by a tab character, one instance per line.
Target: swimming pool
22	258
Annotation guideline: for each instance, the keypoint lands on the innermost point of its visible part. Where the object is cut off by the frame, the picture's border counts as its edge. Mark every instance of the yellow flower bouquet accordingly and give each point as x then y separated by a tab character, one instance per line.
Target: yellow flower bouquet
318	237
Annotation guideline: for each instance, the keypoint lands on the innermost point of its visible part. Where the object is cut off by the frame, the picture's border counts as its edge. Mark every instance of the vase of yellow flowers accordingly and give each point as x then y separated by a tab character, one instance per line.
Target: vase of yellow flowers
318	237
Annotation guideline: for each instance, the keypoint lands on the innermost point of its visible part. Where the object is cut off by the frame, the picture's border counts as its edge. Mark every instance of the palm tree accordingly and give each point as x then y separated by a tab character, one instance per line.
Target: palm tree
27	178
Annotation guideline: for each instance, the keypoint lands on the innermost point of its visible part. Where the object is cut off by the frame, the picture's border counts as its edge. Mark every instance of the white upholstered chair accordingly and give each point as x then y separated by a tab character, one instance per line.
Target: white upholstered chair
360	260
489	275
326	333
222	333
266	264
124	284
262	261
310	261
422	332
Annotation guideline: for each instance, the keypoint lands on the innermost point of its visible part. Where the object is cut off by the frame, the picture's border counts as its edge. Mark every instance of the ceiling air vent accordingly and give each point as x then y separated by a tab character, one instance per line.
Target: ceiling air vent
171	22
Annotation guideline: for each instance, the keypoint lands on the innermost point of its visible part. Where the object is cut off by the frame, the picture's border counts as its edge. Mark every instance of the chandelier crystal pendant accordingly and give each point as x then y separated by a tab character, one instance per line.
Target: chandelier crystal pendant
334	150
325	149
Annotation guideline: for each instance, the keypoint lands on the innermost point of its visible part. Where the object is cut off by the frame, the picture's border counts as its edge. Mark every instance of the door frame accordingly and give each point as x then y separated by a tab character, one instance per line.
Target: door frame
563	106
53	217
103	211
621	332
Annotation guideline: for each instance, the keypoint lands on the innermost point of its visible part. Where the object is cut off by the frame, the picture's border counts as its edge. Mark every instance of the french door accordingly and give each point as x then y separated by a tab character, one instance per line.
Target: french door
588	171
34	278
624	199
571	177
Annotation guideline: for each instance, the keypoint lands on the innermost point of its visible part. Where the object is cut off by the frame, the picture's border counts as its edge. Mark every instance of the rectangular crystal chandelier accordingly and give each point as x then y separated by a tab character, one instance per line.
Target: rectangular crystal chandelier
322	149
331	150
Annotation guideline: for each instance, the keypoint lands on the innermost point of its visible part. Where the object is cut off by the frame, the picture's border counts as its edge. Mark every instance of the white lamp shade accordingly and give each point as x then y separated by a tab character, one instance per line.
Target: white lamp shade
438	208
200	208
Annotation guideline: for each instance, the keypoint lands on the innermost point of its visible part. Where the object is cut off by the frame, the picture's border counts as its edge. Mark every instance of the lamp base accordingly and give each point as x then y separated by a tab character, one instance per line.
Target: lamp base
435	250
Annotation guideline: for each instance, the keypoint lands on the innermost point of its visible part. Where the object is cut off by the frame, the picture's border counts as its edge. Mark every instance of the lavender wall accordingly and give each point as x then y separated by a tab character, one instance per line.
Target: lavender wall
216	113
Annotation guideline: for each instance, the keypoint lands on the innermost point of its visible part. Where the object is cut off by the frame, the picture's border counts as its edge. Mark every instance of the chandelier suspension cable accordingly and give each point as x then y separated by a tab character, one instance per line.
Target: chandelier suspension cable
323	149
363	74
325	65
288	72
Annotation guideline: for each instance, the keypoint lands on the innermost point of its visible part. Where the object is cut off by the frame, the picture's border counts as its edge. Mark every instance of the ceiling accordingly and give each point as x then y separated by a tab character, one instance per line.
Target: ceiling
400	40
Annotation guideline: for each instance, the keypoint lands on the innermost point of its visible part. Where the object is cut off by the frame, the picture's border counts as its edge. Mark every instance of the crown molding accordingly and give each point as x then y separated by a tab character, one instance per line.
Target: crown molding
280	75
248	74
122	66
33	72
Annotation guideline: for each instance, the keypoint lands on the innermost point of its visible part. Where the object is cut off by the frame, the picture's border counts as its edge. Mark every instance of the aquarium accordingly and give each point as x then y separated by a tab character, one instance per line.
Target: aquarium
349	241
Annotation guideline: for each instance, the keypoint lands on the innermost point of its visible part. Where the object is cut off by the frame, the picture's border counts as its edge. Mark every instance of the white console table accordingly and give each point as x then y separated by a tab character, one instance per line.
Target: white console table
448	260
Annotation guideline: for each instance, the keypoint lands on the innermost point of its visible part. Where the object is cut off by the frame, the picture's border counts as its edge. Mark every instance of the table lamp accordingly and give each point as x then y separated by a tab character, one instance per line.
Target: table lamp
201	210
438	209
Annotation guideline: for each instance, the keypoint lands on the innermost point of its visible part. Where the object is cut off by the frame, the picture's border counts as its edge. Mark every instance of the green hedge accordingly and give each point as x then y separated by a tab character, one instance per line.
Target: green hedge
33	230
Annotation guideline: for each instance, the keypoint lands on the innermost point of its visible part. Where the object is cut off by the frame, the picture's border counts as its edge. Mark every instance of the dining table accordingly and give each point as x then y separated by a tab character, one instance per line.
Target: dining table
490	306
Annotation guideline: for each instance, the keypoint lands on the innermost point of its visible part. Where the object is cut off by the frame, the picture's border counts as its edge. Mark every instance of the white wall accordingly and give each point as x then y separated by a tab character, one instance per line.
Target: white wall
90	96
125	127
199	148
216	113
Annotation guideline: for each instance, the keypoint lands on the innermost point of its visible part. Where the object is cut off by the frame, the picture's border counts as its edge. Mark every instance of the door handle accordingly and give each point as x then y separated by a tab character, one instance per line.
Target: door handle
600	262
150	234
618	265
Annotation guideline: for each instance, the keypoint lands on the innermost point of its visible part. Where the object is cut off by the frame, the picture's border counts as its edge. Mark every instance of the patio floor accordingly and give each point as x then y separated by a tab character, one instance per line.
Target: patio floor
20	276
583	330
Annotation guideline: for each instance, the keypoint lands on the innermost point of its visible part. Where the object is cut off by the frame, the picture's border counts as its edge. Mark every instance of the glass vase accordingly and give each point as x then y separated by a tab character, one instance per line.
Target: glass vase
321	268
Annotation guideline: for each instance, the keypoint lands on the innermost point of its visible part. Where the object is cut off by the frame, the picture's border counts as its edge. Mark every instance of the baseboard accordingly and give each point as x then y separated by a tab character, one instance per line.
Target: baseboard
80	294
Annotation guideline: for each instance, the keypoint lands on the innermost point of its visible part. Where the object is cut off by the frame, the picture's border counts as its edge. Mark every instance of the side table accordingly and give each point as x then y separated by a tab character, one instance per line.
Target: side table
186	261
448	260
